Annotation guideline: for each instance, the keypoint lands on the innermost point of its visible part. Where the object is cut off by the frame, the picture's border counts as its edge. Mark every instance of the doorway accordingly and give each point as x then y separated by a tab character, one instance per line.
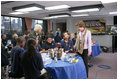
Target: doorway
62	26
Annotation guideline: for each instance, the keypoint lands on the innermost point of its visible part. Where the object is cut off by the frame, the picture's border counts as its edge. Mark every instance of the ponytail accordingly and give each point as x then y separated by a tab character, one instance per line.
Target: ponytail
30	48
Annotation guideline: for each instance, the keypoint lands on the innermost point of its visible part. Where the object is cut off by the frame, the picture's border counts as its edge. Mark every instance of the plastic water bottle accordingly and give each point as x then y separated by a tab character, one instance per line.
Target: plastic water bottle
55	57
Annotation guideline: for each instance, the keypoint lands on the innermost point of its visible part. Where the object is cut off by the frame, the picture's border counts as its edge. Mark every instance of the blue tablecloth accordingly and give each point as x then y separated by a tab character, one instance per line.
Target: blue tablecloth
96	50
65	70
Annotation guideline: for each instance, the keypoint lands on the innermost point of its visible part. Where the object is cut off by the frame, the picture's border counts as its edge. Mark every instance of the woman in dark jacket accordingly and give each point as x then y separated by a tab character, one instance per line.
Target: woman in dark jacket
32	61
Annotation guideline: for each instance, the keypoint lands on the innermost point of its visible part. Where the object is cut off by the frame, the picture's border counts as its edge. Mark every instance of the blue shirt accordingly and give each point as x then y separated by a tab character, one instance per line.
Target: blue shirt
47	45
16	65
67	46
32	68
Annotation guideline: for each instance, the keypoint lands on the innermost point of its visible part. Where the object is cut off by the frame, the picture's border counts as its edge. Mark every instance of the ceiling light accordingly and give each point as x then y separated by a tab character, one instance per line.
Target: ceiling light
112	12
108	1
49	17
52	16
80	15
88	8
57	7
15	13
59	15
29	7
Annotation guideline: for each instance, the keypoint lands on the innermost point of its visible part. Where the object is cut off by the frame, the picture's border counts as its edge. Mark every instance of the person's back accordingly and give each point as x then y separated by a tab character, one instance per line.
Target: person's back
57	38
16	55
14	41
16	66
32	67
32	61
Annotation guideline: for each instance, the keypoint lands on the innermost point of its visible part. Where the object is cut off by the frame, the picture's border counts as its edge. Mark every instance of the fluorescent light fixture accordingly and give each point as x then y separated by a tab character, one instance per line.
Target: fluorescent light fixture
57	7
56	17
61	16
49	17
80	15
86	10
108	1
112	12
16	13
52	16
29	7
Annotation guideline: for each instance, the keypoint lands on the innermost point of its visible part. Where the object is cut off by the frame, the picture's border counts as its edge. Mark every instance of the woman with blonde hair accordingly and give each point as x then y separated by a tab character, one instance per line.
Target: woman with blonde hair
83	43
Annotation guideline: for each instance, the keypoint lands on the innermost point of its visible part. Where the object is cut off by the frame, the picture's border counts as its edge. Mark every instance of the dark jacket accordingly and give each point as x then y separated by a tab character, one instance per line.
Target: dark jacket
4	41
47	45
73	40
34	35
67	46
57	39
14	41
32	67
4	58
16	66
38	48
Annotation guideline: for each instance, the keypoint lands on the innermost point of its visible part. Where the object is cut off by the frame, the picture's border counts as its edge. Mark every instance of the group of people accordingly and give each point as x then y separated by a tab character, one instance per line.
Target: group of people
26	53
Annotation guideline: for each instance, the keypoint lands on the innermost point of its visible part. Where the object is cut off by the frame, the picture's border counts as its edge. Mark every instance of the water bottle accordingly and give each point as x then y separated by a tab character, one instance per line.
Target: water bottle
55	57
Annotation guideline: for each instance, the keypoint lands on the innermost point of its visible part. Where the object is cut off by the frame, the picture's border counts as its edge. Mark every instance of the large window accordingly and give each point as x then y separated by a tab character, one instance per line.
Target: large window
16	25
11	25
5	25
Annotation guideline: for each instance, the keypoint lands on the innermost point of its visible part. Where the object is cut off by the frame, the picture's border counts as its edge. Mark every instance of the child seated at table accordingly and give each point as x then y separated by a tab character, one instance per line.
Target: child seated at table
66	43
49	44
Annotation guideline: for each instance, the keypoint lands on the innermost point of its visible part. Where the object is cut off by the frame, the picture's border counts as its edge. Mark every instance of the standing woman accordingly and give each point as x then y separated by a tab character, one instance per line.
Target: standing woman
83	43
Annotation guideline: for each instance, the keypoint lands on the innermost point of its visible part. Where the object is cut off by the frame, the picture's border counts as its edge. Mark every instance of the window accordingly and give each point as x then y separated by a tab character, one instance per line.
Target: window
16	25
5	25
11	25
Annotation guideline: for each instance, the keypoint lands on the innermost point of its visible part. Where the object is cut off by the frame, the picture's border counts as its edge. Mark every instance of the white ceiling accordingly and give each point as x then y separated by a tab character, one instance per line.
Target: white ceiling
6	8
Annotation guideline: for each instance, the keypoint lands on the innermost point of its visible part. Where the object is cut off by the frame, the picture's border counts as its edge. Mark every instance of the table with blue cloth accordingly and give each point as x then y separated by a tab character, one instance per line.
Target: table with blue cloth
96	50
66	70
